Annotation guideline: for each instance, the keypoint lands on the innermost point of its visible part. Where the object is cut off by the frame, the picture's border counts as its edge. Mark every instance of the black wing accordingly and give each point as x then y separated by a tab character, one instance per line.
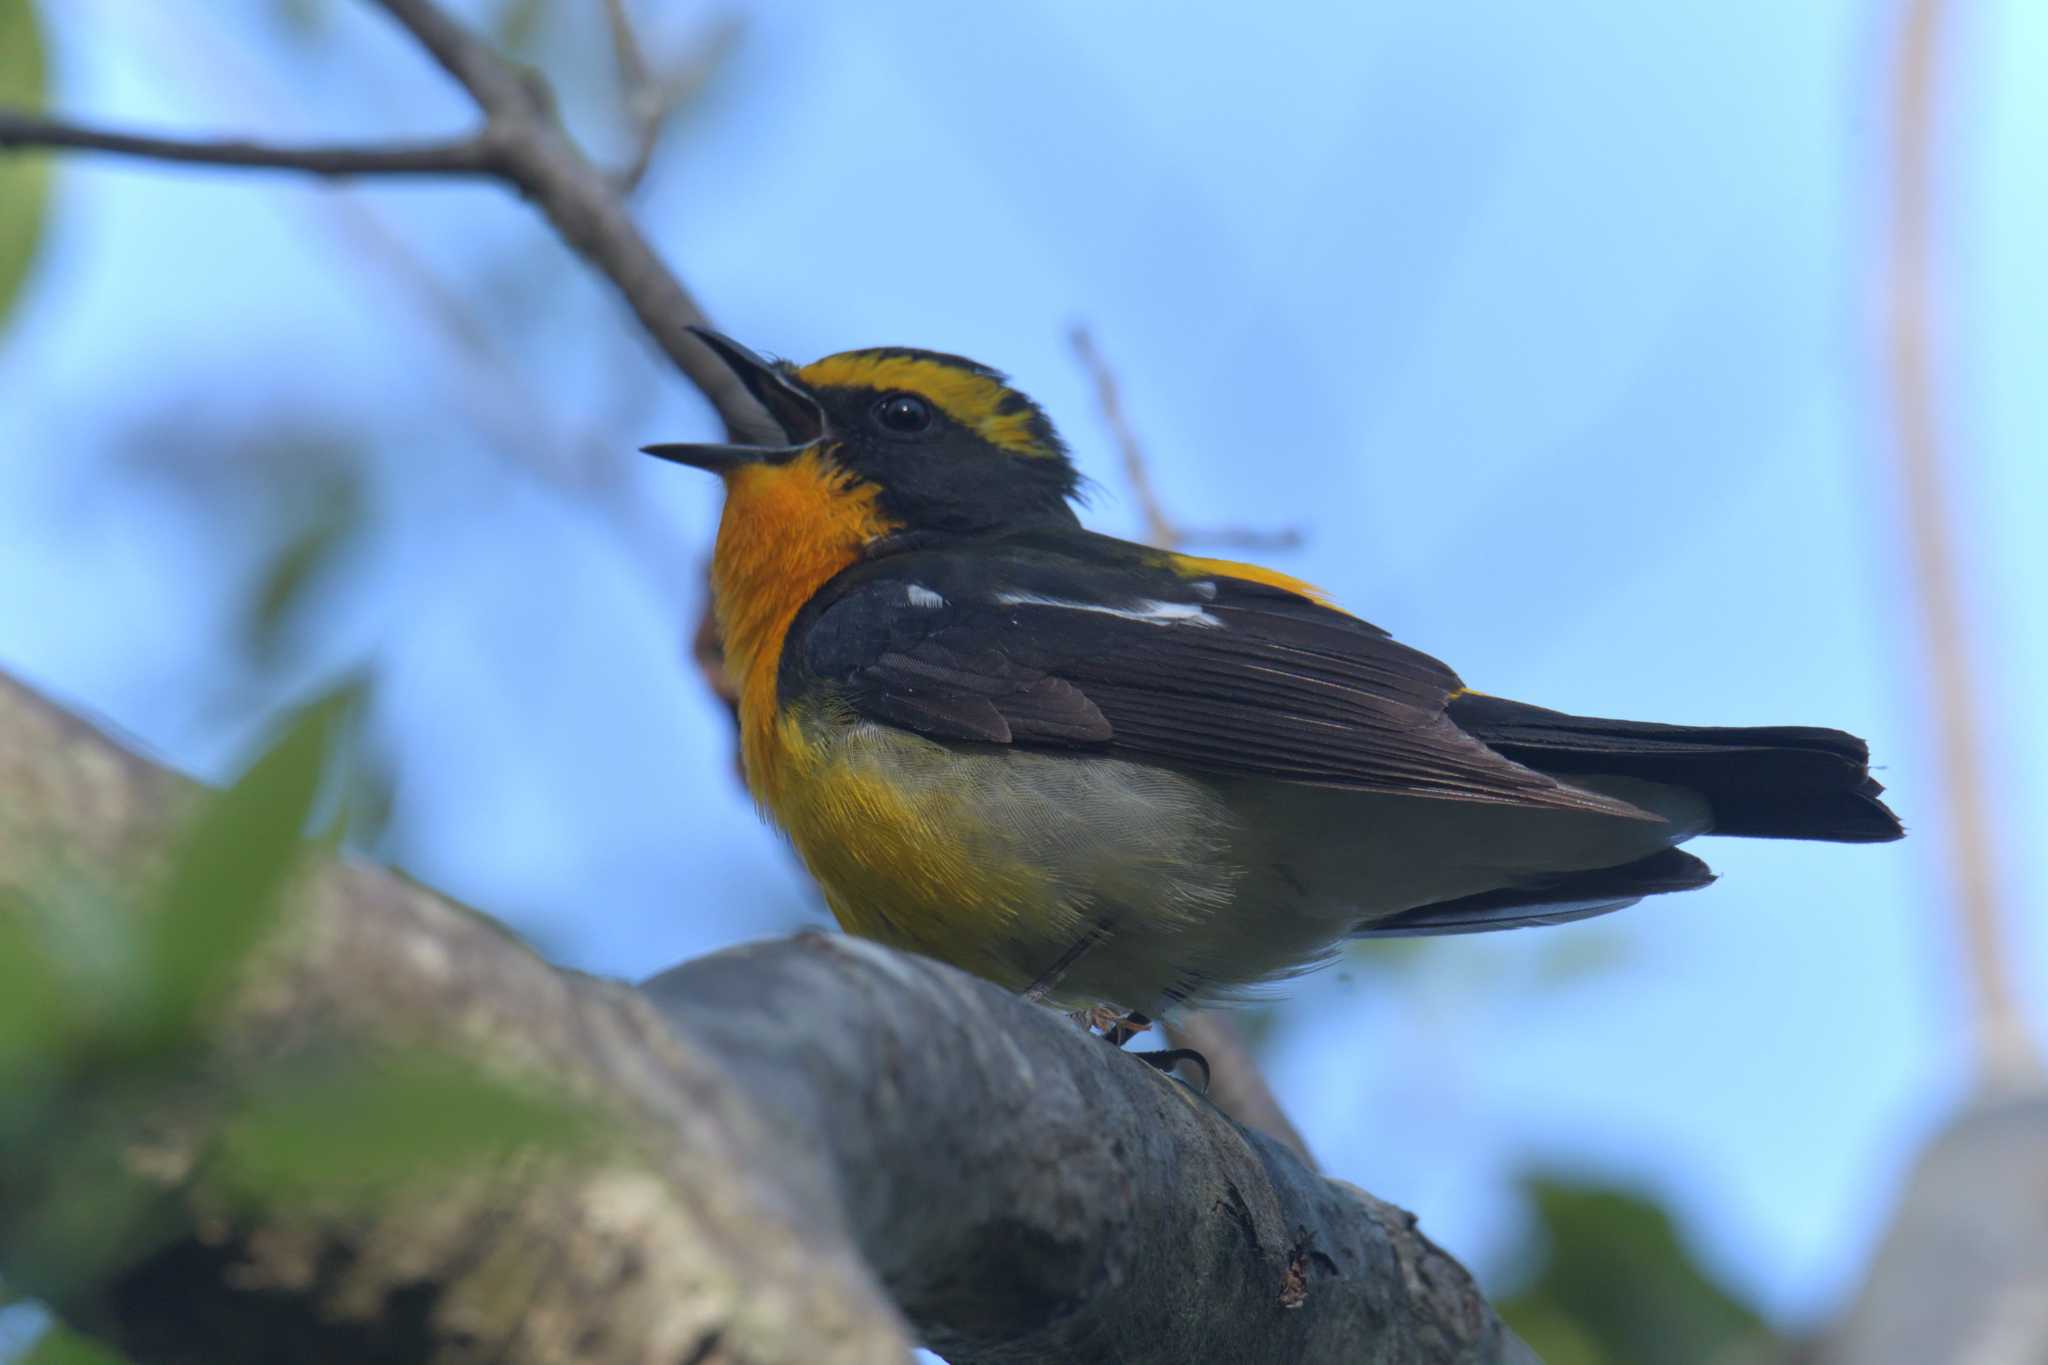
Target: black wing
1107	646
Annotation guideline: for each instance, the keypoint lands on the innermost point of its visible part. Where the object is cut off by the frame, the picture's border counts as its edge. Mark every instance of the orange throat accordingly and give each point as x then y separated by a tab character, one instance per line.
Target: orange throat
787	529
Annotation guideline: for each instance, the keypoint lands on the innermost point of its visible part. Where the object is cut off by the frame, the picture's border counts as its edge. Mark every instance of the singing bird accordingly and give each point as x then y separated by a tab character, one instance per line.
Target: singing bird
1108	774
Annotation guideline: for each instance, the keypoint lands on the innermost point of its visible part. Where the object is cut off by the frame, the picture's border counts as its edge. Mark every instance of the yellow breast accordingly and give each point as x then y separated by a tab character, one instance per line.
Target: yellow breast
903	840
876	815
787	529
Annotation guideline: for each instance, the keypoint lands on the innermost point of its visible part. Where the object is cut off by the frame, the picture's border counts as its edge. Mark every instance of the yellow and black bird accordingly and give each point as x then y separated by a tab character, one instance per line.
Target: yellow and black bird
1108	774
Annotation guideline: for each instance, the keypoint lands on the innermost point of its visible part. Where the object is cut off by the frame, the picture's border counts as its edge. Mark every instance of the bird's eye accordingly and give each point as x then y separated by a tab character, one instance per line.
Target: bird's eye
904	414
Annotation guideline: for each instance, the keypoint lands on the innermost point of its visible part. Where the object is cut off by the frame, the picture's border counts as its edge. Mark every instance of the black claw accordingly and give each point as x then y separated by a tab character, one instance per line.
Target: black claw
1166	1059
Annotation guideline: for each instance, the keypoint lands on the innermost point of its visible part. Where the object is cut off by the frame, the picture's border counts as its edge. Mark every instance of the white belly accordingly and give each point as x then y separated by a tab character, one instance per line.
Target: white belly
1190	887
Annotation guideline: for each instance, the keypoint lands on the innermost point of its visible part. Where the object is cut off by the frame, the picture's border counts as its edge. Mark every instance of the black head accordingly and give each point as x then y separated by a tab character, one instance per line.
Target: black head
947	442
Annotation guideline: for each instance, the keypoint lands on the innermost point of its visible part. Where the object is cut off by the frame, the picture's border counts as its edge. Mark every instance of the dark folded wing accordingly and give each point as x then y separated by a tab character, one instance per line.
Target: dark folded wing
1211	673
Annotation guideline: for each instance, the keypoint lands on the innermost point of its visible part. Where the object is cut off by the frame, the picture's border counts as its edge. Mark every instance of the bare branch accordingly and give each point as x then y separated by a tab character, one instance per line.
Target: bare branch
1235	1082
634	72
20	130
1160	529
801	1133
501	89
577	198
645	108
653	96
1162	1233
2006	1054
524	143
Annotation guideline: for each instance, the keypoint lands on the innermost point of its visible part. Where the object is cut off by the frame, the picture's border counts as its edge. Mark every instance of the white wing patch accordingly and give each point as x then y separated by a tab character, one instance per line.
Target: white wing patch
1149	610
921	596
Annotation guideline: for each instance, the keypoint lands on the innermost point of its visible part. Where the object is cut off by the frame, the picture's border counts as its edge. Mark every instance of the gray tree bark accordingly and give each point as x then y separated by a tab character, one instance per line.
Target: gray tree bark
815	1150
1961	1277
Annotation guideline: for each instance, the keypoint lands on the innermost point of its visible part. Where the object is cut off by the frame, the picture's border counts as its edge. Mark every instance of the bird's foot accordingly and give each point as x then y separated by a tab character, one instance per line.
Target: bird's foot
1168	1059
1116	1026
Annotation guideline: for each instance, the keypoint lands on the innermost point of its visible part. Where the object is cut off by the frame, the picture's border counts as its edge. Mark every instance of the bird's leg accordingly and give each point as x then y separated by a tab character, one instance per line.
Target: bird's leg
1116	1026
1049	979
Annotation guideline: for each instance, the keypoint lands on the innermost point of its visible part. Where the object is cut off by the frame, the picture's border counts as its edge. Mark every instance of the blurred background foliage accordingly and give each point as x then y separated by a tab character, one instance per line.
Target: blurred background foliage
102	1007
1607	1279
24	183
1548	333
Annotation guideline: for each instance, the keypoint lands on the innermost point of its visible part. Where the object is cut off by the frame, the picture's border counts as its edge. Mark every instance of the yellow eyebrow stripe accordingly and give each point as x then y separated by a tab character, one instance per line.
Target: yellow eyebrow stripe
983	405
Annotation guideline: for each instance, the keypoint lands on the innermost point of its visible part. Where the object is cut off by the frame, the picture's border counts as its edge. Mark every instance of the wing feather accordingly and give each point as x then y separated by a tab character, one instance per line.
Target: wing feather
1116	652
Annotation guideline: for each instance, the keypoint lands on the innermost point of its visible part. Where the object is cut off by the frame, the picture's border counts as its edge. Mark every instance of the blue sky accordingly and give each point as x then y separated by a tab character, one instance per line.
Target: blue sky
1552	329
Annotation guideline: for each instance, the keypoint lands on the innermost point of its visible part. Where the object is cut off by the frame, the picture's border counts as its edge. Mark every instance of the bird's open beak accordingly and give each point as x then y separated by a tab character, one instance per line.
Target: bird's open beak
796	415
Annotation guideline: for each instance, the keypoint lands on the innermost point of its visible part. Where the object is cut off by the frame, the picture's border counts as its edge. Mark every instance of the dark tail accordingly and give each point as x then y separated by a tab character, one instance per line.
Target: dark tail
1767	782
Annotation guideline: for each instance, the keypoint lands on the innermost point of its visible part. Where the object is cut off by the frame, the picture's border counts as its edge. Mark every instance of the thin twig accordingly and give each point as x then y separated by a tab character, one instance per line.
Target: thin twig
500	89
2005	1051
577	198
524	143
20	130
637	92
652	96
634	71
1236	1084
1160	529
502	401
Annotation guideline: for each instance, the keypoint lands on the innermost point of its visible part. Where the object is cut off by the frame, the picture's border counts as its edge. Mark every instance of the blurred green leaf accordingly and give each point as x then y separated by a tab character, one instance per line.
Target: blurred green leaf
365	798
224	889
375	1126
31	1004
68	973
62	1346
24	180
1555	1336
323	529
1612	1283
77	1211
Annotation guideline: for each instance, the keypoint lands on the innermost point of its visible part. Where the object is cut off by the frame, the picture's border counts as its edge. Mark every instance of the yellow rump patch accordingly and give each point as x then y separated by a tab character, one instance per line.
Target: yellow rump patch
1197	566
992	410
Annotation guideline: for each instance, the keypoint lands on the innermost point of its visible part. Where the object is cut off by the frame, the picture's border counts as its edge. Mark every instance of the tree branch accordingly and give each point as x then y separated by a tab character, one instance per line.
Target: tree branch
804	1130
524	144
1160	529
2007	1057
640	93
800	1133
463	156
501	90
580	201
651	97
